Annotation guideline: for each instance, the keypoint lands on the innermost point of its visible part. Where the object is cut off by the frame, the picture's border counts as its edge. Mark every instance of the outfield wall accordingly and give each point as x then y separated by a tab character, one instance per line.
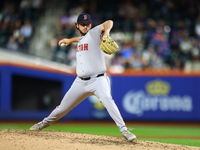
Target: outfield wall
31	93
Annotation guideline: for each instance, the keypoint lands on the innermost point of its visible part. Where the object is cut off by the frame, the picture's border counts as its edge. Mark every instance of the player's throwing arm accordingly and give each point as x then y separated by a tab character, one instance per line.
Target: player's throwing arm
65	42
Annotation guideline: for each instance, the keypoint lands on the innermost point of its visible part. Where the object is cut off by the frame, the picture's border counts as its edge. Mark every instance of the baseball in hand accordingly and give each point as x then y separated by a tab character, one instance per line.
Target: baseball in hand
62	44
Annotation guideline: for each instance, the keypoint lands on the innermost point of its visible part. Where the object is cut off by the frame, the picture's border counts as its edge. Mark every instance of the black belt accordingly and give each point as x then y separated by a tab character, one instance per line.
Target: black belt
88	78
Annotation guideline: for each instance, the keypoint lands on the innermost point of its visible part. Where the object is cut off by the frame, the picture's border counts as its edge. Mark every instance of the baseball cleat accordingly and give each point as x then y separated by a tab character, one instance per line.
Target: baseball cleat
128	135
39	126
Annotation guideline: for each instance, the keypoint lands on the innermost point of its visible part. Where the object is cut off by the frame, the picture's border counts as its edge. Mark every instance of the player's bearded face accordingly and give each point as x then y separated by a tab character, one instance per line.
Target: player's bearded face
83	27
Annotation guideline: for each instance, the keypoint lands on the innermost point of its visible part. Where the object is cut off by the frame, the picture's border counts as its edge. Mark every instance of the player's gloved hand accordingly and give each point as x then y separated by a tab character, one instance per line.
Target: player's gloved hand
108	45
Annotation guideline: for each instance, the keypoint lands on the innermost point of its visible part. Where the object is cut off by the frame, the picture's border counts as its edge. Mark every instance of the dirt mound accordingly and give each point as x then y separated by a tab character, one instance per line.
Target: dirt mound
60	140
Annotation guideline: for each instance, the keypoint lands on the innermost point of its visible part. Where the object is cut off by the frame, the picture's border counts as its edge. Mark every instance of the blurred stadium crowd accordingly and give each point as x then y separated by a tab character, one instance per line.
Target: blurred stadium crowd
152	34
17	20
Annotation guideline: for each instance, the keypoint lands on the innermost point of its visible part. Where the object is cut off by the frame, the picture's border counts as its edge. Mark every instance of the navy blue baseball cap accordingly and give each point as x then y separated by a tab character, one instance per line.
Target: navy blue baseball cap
84	18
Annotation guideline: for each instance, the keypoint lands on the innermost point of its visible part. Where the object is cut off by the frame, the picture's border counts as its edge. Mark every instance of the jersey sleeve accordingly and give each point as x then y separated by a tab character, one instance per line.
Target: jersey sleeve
96	33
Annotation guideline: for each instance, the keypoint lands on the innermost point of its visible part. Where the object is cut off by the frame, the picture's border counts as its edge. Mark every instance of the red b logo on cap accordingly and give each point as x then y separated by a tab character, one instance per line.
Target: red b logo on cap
85	17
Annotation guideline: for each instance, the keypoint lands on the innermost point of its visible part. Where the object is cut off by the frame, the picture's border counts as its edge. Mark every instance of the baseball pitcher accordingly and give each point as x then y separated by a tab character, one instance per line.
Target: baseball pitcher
91	73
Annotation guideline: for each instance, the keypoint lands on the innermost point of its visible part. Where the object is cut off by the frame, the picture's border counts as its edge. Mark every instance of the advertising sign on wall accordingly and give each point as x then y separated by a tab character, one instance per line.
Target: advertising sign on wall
158	98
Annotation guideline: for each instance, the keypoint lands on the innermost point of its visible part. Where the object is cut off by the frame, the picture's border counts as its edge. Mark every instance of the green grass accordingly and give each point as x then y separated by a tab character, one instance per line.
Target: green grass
167	131
142	131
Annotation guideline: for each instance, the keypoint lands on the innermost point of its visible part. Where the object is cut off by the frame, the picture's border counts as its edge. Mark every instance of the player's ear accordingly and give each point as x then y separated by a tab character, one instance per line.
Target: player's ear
76	25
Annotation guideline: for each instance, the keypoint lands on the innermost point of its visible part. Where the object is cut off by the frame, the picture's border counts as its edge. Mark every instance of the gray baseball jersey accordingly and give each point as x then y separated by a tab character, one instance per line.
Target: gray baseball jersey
90	58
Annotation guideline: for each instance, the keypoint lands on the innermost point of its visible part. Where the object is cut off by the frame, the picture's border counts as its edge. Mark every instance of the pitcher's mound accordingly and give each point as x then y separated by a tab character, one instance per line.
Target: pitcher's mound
60	140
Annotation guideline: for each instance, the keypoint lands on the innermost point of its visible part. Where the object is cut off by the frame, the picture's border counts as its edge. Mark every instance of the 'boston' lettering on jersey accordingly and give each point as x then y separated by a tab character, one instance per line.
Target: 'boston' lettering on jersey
82	47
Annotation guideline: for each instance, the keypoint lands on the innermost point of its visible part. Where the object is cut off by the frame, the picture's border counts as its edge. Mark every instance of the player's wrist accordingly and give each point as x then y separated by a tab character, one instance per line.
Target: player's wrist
106	33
